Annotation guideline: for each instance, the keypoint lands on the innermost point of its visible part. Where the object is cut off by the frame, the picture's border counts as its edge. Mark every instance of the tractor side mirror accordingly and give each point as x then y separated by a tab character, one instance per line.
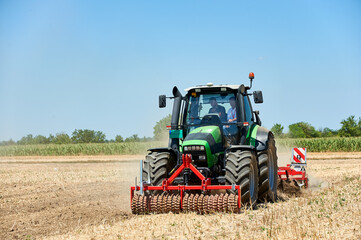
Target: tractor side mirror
258	97
162	101
258	120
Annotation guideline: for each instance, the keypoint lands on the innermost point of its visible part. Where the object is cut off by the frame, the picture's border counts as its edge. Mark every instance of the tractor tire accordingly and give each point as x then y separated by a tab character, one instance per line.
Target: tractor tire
268	177
241	169
157	165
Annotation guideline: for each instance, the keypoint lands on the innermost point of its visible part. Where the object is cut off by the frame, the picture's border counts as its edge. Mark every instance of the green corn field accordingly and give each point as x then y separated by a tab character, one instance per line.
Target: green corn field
78	149
334	144
338	144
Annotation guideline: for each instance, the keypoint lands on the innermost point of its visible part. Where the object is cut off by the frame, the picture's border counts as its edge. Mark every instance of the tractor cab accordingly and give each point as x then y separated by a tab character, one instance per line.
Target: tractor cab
214	106
228	107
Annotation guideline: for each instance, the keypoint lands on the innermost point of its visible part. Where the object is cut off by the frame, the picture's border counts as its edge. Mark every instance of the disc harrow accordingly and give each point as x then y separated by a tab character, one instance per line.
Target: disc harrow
180	198
296	171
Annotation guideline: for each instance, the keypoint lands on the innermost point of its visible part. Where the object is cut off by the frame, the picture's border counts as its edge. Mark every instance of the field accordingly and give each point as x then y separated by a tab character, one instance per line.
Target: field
330	144
333	144
87	197
79	149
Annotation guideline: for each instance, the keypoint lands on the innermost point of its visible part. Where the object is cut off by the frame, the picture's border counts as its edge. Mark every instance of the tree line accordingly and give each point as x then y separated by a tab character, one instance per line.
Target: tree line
350	127
78	136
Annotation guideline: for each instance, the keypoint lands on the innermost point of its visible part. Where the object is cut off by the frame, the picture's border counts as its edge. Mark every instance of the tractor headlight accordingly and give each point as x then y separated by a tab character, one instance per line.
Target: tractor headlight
194	148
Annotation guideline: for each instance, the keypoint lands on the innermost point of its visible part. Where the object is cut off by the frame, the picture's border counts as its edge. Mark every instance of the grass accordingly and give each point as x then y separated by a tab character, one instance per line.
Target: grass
78	149
335	144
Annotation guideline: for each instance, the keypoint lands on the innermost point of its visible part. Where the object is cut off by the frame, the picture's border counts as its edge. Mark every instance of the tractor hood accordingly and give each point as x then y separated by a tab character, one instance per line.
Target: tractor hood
208	136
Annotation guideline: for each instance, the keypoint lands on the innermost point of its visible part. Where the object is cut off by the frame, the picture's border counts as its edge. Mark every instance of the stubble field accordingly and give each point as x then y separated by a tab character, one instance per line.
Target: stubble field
88	198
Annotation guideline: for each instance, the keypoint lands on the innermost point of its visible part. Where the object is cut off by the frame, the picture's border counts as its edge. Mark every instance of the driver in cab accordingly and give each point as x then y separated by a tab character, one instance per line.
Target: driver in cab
231	114
231	117
221	111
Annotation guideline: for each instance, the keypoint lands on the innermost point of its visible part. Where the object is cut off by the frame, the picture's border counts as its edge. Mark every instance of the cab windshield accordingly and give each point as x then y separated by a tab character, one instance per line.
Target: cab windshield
213	108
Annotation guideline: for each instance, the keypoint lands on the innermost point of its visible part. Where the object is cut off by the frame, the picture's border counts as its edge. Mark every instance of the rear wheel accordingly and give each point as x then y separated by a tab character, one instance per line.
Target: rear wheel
241	169
157	165
268	177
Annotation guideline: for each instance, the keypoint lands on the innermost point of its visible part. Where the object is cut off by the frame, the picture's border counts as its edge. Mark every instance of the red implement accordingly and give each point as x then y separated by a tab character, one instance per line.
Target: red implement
296	171
174	202
290	174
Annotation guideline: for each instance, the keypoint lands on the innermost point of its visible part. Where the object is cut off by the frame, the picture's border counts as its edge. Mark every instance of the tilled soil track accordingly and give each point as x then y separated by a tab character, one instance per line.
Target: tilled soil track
42	199
46	199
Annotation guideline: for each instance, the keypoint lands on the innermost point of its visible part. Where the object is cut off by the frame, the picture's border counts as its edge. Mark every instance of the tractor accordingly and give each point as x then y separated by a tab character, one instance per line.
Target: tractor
218	158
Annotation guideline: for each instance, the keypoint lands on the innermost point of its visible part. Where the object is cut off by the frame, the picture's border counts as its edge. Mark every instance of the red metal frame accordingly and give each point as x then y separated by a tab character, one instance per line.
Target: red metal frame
187	164
287	173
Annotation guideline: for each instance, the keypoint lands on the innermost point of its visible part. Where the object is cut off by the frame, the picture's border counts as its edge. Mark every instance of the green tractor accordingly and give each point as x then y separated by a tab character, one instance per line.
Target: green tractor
217	126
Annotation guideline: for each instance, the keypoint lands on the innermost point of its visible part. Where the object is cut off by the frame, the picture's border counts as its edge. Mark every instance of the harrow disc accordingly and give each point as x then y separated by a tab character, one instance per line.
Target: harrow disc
215	203
200	203
175	208
225	203
135	204
220	203
185	202
154	204
162	207
205	205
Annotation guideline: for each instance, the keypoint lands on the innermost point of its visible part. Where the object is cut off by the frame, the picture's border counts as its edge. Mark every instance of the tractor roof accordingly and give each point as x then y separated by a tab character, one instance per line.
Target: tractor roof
211	86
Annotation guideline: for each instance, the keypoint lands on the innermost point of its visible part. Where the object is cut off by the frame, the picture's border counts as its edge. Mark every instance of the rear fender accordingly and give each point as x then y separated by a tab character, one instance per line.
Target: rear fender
262	137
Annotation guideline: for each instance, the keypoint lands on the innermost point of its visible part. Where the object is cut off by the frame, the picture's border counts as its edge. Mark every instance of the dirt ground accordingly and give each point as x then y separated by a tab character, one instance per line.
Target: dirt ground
87	197
40	197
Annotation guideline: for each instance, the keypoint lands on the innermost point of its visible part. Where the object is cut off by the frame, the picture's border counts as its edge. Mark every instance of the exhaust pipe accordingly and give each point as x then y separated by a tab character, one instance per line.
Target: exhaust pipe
174	142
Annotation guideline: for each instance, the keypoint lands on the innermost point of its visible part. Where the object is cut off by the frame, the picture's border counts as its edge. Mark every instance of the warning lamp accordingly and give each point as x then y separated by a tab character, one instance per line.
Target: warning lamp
251	76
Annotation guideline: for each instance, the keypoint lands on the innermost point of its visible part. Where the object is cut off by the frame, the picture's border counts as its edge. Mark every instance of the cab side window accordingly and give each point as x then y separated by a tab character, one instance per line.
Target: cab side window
247	109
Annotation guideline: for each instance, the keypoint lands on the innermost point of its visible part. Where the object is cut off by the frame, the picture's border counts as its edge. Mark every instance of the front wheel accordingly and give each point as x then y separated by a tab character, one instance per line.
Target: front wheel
157	165
241	169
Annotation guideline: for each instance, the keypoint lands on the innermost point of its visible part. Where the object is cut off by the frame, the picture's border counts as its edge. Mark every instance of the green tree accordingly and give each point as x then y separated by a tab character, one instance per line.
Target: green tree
160	131
39	139
350	127
61	138
7	143
26	140
119	139
327	132
133	138
302	130
87	136
277	129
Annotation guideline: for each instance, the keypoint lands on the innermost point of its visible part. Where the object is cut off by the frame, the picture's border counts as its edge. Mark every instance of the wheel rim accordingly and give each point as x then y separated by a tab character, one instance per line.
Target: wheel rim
271	168
251	182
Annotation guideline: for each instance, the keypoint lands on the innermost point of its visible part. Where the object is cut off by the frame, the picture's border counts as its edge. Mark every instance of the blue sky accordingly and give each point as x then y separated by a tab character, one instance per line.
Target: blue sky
101	65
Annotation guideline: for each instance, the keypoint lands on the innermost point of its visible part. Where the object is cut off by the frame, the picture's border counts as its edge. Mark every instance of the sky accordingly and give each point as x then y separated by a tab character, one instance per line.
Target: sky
100	65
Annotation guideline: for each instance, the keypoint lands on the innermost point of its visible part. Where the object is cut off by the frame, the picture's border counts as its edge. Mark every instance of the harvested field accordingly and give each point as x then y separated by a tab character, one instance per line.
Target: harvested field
88	198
